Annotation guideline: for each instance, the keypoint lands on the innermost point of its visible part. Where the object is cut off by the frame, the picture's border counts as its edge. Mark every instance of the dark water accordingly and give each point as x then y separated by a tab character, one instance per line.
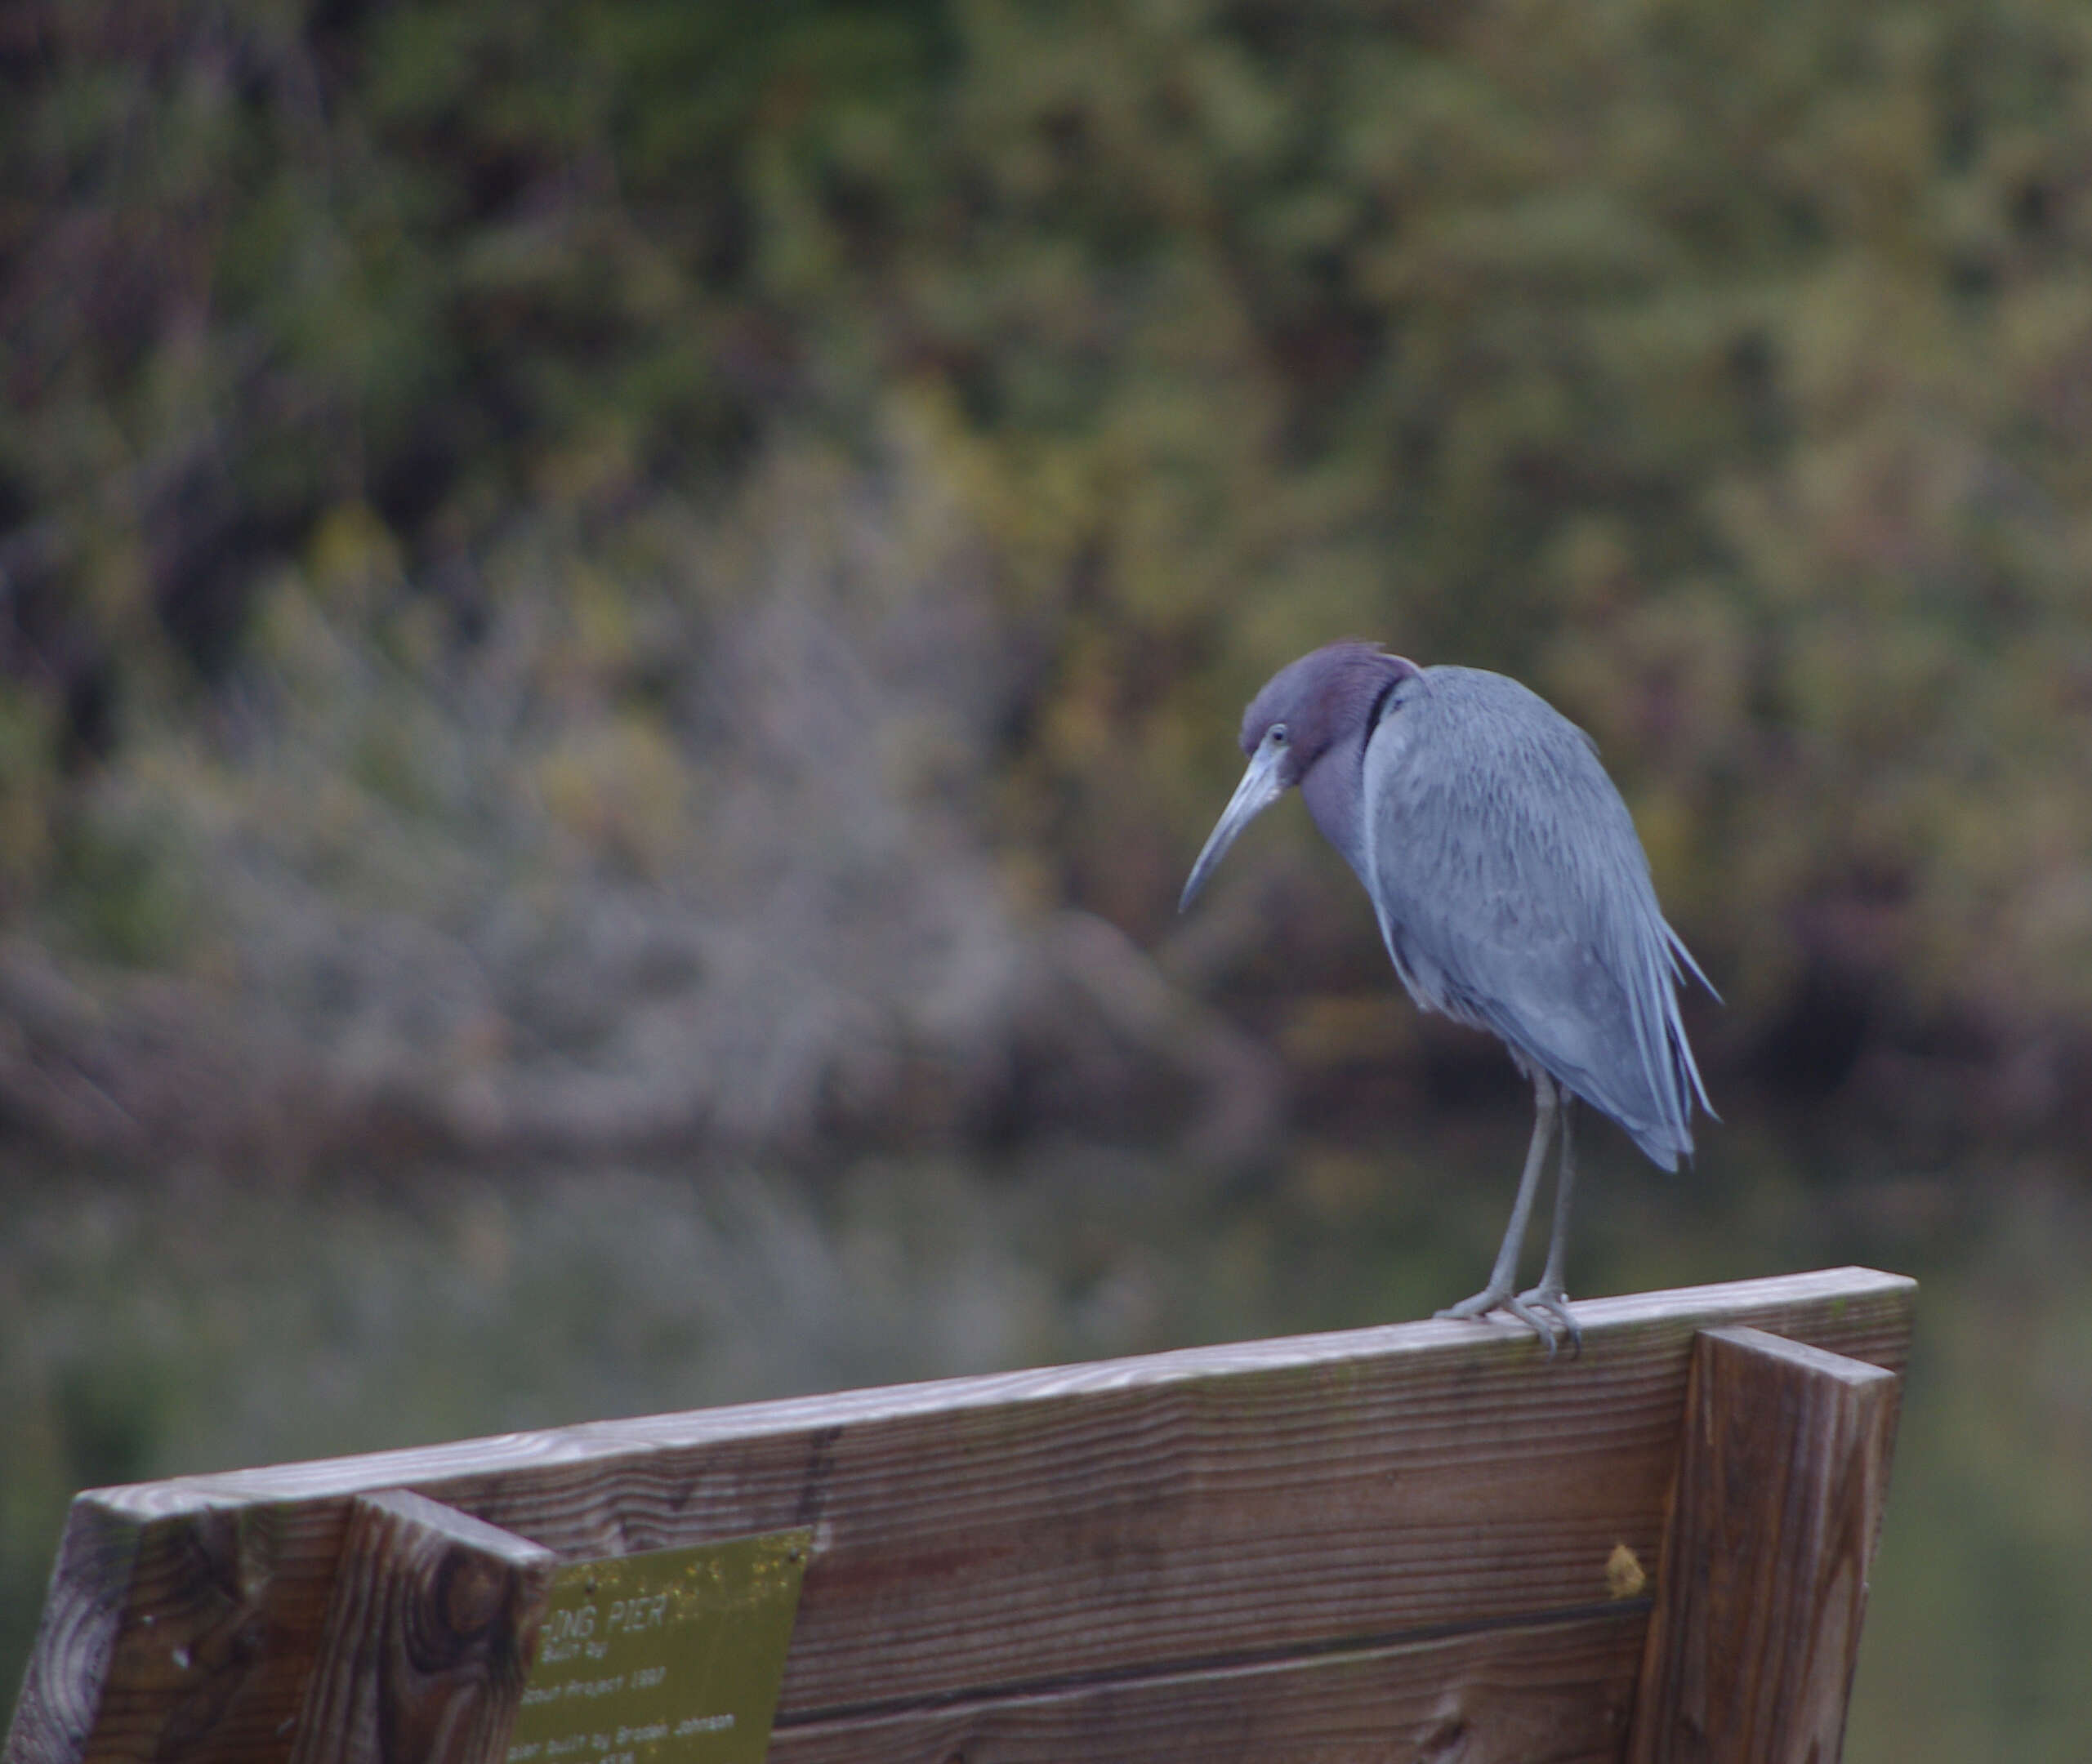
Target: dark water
193	1323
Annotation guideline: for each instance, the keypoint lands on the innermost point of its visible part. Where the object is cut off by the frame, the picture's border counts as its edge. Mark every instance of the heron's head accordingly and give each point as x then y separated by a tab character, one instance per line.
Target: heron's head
1306	710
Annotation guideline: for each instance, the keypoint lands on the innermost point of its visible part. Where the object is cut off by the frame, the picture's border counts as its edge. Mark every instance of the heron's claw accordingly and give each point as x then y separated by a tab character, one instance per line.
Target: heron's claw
1539	1309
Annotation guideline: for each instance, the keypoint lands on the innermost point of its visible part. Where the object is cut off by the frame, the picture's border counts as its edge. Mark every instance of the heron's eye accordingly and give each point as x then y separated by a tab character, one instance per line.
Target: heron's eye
1277	737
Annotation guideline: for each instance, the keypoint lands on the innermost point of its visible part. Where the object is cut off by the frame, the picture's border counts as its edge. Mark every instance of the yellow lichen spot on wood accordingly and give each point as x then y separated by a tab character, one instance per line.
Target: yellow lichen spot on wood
1625	1577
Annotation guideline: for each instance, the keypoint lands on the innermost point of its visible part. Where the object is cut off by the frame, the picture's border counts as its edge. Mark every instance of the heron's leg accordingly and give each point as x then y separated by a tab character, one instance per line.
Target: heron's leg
1549	1296
1503	1277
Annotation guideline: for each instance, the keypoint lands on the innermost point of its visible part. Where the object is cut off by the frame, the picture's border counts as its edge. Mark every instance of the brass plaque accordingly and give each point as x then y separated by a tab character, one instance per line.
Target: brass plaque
673	1657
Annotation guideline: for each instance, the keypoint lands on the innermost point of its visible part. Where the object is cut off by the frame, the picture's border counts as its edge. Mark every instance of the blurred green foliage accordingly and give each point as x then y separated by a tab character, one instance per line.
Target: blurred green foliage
1724	369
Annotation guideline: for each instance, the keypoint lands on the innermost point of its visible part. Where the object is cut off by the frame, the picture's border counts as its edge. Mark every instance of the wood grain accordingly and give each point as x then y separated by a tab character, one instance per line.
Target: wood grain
69	1671
1780	1487
980	1536
427	1640
1558	1691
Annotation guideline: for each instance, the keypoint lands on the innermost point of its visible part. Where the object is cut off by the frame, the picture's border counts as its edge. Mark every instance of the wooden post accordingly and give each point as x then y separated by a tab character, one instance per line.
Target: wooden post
168	1611
1778	1502
428	1637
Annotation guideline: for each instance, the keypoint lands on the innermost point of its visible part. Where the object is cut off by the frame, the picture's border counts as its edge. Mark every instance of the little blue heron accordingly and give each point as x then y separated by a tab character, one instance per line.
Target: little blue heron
1511	892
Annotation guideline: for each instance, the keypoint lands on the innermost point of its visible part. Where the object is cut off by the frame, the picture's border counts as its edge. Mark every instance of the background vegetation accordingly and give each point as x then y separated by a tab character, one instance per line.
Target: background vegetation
597	585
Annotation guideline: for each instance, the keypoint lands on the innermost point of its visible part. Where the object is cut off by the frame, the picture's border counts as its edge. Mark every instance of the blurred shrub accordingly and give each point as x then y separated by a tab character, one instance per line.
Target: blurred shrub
1721	368
690	850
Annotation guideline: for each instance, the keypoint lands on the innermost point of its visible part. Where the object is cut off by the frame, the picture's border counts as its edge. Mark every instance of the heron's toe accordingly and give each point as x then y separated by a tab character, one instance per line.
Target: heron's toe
1542	1325
1480	1305
1555	1303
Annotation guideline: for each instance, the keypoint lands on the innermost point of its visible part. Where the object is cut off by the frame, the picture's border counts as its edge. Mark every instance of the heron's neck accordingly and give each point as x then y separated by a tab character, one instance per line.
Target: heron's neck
1334	790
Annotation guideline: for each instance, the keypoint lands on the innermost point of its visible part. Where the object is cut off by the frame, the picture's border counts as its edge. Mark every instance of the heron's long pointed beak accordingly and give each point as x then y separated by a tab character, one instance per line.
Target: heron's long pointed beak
1261	786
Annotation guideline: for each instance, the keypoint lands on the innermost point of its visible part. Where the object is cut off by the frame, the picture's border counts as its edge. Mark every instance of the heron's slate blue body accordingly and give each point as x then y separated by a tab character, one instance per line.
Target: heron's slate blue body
1511	890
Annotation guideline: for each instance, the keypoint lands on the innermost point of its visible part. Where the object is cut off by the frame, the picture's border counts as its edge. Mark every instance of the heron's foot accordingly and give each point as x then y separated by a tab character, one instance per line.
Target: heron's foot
1539	1310
1553	1304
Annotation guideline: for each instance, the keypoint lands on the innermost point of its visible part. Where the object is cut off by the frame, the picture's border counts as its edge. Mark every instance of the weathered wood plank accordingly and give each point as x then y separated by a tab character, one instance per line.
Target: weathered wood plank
1559	1691
1781	1481
1132	1515
1145	1513
427	1639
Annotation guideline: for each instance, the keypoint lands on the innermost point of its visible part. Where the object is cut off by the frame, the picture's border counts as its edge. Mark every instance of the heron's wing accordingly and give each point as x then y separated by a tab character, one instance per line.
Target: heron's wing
1513	894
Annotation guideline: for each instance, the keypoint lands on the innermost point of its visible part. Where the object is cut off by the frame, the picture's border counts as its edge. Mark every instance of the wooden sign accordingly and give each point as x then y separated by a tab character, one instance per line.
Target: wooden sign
671	1657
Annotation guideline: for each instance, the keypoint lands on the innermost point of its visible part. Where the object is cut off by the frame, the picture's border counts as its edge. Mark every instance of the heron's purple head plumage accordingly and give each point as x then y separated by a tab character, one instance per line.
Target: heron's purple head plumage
1319	699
